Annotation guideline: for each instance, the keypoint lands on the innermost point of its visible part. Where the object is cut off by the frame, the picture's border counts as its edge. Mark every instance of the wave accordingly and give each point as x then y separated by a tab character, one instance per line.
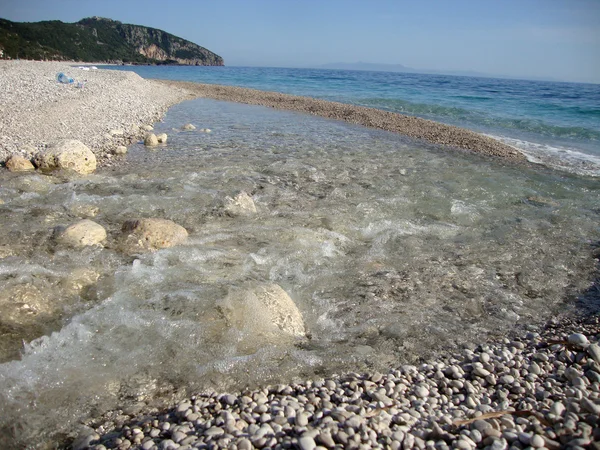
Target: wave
481	118
556	157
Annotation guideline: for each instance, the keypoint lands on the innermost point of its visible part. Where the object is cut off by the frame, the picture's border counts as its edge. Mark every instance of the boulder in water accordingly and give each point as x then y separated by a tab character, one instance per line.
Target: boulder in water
265	310
188	127
152	234
16	163
80	234
240	205
67	154
162	138
150	140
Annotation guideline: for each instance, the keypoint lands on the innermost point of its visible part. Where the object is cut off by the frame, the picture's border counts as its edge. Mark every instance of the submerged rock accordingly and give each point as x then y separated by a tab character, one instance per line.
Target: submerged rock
80	234
152	234
188	127
16	163
21	304
150	140
68	154
240	205
265	310
162	138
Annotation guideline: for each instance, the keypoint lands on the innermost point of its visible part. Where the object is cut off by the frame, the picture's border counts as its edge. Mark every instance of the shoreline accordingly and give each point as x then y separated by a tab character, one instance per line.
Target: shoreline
374	396
413	127
114	107
110	110
536	389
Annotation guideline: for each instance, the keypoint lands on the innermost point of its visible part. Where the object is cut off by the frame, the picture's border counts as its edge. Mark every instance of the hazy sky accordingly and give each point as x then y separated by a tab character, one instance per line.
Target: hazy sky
557	39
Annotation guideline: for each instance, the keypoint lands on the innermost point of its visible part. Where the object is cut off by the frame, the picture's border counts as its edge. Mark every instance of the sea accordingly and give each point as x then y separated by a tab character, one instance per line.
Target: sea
392	250
552	123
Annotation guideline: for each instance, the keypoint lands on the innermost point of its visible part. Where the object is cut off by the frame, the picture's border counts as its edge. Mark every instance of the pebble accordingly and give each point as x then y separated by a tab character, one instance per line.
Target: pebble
307	443
579	340
410	407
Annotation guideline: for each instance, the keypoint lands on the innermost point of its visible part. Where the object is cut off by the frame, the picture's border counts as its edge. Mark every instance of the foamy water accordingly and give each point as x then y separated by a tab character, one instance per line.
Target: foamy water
392	250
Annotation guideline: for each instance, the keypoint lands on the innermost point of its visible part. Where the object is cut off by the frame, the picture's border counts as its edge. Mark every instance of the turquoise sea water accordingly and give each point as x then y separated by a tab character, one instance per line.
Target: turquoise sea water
554	123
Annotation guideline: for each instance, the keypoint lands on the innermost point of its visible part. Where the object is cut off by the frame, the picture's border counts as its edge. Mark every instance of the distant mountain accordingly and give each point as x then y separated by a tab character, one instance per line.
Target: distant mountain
376	67
400	68
97	39
367	66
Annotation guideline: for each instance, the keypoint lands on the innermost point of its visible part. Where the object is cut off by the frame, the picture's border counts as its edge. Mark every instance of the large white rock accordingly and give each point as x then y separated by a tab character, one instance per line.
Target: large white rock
80	234
188	127
68	154
265	310
240	205
16	163
152	234
162	138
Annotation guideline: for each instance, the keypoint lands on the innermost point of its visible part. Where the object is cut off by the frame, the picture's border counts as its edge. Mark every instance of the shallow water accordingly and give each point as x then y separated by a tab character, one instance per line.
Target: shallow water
392	250
555	123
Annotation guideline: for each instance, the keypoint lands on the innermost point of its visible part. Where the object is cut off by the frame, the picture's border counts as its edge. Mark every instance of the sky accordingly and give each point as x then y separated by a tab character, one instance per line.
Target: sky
552	39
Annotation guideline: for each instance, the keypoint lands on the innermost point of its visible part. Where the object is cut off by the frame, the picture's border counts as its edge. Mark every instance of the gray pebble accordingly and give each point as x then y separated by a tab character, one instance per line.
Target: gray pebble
307	443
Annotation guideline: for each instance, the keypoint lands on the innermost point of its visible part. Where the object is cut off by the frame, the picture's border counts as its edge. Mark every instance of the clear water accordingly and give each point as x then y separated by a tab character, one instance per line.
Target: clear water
554	123
392	250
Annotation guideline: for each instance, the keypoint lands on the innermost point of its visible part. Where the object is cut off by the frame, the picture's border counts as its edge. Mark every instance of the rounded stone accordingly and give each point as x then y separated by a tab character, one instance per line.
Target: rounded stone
68	154
120	150
16	163
307	443
240	205
188	127
83	233
152	234
264	309
162	138
150	140
578	339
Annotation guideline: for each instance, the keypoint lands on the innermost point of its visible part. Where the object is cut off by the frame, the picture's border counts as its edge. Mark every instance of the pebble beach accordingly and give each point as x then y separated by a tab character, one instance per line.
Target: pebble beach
534	388
109	109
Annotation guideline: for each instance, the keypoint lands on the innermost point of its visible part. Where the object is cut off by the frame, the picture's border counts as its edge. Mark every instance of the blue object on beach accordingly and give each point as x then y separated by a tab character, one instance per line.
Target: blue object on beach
62	78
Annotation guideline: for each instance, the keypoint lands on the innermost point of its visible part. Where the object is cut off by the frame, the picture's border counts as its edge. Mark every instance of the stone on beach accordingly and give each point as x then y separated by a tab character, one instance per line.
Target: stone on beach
120	150
147	127
162	138
152	234
188	127
83	233
67	154
264	310
16	163
240	205
150	140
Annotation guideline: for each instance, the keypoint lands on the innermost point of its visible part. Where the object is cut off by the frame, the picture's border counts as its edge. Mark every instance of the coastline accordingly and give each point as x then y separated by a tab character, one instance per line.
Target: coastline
414	127
113	107
94	128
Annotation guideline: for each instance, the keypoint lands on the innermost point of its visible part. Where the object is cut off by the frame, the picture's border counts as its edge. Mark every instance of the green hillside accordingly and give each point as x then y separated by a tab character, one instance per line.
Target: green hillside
100	40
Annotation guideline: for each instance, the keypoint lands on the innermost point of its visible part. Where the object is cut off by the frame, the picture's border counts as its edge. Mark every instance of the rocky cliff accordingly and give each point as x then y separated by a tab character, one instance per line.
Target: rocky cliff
97	39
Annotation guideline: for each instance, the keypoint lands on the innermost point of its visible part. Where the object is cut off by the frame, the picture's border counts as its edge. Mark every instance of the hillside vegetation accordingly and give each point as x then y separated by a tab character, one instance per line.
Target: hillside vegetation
97	39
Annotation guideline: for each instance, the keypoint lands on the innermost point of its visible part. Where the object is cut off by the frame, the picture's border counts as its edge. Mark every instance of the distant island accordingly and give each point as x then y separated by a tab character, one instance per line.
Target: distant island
97	39
379	67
